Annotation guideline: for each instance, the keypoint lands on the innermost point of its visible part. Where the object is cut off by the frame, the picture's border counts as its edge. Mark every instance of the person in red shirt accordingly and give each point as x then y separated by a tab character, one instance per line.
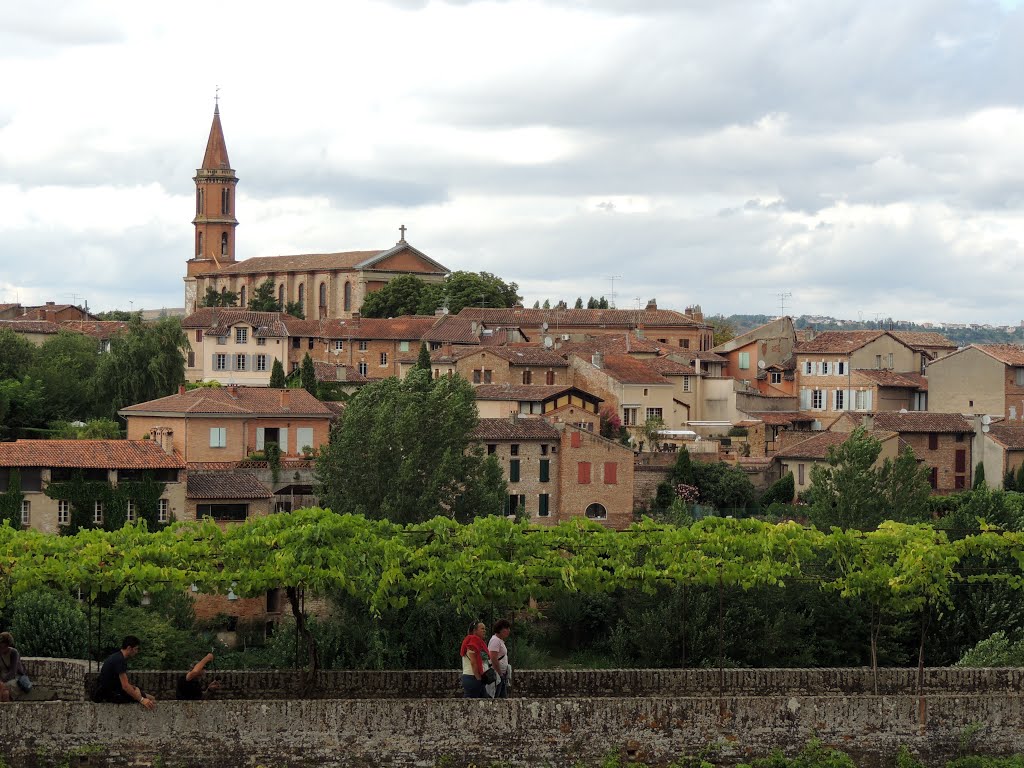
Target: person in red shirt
475	661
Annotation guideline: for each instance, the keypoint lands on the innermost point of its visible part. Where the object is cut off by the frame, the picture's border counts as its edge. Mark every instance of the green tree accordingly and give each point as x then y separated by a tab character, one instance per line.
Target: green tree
1020	477
94	429
844	491
602	303
307	375
723	486
547	304
591	303
47	623
16	354
579	303
652	428
471	289
144	363
979	475
781	491
682	471
26	407
11	499
277	378
295	309
536	304
1010	480
904	487
402	296
381	462
263	298
723	330
423	358
67	365
215	298
121	315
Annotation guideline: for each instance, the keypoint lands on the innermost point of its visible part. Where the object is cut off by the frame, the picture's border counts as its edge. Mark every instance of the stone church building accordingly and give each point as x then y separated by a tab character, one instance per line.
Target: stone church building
327	285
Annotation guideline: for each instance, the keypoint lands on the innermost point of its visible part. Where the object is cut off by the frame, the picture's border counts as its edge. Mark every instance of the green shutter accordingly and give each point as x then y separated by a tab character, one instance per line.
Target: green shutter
513	471
542	508
545	470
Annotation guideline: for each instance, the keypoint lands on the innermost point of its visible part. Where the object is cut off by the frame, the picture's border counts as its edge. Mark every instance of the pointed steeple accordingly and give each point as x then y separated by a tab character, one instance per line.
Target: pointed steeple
216	157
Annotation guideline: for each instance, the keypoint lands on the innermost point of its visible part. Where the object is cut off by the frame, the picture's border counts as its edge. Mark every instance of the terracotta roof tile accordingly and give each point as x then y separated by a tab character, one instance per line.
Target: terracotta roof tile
777	418
97	329
329	372
579	318
668	367
520	429
1010	354
298	262
522	391
631	370
262	401
88	454
225	485
216	321
707	356
454	329
1010	436
886	378
610	344
837	341
923	421
521	354
924	339
30	326
817	447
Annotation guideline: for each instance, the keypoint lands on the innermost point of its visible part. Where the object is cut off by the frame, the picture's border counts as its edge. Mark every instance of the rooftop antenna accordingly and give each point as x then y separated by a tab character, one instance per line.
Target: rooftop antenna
611	296
782	302
74	298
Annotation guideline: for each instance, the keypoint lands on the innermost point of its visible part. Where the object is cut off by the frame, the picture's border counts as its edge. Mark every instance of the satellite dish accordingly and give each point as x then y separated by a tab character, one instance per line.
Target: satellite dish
985	428
986	420
548	343
903	410
762	364
544	326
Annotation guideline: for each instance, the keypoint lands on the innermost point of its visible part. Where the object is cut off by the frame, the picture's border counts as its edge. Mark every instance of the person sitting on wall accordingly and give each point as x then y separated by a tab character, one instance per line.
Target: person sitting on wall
113	687
12	670
191	686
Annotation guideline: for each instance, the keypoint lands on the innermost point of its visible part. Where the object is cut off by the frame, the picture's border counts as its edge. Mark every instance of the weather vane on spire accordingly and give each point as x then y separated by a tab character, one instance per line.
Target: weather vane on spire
216	96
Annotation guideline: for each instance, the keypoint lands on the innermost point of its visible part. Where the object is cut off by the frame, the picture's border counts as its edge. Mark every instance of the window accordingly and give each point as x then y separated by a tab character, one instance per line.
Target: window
808	368
583	472
878	361
191	359
891	362
575	440
597	512
800	474
862	399
273	601
646	391
339	345
527	377
933	441
222	511
403	346
744	360
492	448
686	383
549	378
130	512
26	512
303	438
63	512
528	407
961	461
363	368
241	335
297	343
225	200
841	368
487	376
199	245
514	503
477	376
818	399
309	342
775	377
347	297
543	505
684	343
629	417
199	334
280	296
959	482
199	202
97	512
1020	377
653	413
611	473
933	478
513	470
514	449
323	299
261	342
545	470
218	437
383	359
261	362
363	346
959	438
224	244
826	368
241	362
543	449
241	297
302	294
840	400
220	362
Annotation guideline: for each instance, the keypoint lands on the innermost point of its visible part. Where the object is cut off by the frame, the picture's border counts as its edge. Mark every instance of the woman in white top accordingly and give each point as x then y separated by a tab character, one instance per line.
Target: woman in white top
498	652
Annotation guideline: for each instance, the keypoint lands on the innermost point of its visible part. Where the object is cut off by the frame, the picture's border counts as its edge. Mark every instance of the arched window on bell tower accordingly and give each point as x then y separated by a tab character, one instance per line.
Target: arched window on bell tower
323	300
199	201
224	244
225	201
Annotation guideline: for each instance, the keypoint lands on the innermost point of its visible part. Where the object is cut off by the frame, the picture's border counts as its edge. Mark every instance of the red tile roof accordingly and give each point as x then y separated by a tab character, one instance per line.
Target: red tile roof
217	321
668	367
520	354
918	340
97	329
610	344
1011	437
817	447
240	401
779	418
531	392
457	330
88	454
837	341
329	372
923	421
1010	354
886	378
298	262
30	326
581	318
225	485
631	370
707	356
530	428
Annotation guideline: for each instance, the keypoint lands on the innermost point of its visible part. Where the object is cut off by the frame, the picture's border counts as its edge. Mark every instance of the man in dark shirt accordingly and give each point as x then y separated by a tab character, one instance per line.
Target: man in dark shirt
190	685
113	687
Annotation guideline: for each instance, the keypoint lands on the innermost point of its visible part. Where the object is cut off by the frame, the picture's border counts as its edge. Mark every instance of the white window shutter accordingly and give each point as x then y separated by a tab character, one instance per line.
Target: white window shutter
213	362
835	399
284	440
260	436
867	399
805	399
849	400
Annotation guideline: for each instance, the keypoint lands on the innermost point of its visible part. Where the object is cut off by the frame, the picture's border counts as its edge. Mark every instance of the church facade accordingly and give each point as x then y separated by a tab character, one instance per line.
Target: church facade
326	285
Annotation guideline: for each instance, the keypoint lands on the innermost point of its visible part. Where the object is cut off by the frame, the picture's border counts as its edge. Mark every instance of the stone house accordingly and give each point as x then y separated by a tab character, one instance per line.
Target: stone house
513	364
1000	449
981	378
800	456
40	462
554	403
940	441
750	356
227	424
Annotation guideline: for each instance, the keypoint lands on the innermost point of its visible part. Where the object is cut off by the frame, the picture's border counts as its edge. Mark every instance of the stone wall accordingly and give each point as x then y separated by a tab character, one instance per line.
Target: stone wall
63	676
556	732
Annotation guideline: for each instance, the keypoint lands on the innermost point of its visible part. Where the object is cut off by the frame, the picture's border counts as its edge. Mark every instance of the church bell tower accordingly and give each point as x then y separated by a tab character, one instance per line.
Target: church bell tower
215	222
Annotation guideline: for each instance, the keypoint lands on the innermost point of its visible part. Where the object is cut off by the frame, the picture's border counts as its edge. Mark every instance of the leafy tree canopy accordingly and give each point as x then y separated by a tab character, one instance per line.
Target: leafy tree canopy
263	298
16	354
215	298
407	295
144	363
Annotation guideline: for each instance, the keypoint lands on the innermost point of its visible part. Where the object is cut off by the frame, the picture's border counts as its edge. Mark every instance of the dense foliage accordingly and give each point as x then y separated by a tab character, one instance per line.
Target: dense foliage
409	295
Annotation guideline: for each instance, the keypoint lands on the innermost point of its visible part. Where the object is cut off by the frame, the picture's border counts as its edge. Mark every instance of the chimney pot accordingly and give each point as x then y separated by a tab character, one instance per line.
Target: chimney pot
233	390
597	360
181	389
652	305
285	397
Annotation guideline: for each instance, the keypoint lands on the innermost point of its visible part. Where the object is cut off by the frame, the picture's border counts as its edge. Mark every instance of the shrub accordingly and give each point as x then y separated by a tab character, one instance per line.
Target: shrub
997	650
46	623
780	492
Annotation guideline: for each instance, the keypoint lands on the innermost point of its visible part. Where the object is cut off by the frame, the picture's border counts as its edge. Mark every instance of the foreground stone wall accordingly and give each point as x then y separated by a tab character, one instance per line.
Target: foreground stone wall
62	676
556	732
564	683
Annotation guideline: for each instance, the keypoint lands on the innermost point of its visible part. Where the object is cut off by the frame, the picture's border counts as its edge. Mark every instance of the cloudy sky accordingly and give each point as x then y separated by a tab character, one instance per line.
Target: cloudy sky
865	156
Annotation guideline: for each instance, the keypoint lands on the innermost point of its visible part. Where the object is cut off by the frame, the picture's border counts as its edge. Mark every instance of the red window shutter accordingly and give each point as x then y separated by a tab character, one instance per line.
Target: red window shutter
934	479
933	441
961	461
583	472
611	473
576	440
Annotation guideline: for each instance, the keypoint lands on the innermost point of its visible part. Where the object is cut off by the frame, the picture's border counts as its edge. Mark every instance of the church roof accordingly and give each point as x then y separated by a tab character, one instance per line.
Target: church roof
216	157
325	262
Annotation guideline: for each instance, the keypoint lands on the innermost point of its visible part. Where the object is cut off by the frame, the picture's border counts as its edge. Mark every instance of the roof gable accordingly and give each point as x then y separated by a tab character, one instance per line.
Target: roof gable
403	258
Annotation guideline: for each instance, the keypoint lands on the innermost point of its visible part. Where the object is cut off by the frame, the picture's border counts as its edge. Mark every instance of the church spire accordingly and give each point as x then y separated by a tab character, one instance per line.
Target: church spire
216	157
215	220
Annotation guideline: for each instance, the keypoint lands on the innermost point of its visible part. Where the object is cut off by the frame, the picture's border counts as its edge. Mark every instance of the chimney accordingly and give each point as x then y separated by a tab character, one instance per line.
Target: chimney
339	373
652	305
597	360
181	389
285	398
514	417
51	304
233	391
49	314
355	318
869	422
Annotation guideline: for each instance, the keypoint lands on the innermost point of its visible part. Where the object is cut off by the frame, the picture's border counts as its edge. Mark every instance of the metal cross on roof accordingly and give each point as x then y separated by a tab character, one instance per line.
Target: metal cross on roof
402	230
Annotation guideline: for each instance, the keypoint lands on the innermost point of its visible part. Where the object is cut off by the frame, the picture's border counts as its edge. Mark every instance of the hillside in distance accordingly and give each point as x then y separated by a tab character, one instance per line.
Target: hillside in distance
960	333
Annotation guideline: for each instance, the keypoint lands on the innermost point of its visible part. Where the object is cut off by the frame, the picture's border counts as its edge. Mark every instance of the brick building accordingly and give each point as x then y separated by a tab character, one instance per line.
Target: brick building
512	364
940	441
981	378
327	285
554	403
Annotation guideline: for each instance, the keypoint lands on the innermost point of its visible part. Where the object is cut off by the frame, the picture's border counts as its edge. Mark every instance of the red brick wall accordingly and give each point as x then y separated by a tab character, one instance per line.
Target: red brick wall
944	459
575	497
